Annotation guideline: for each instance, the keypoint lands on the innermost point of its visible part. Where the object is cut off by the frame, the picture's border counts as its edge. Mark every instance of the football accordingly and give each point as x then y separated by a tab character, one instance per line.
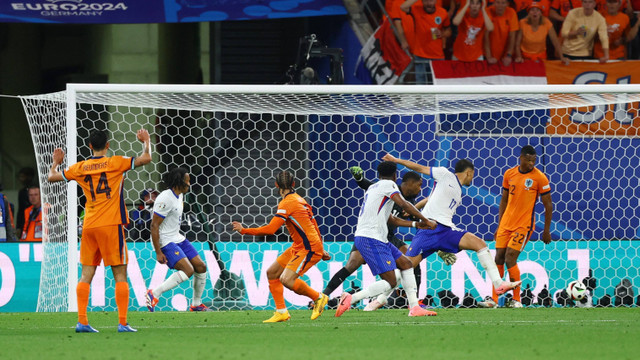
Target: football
576	290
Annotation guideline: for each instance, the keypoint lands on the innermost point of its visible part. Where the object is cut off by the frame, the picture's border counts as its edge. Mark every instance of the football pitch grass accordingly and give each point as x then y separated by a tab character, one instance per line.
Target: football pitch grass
535	333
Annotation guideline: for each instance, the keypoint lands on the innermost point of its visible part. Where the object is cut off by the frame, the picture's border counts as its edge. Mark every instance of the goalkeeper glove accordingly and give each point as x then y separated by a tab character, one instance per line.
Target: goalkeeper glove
357	172
448	258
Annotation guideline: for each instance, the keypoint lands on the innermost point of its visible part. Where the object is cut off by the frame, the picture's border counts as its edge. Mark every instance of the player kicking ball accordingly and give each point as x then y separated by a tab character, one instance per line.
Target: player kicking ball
443	202
383	258
172	248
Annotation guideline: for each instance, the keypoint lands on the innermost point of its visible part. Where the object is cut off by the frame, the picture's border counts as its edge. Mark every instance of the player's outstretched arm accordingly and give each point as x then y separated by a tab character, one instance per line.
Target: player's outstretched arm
269	229
409	164
396	221
145	157
54	174
411	210
358	176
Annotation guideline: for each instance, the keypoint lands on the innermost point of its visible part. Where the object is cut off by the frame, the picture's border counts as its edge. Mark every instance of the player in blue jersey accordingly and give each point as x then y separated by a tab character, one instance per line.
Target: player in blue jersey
445	198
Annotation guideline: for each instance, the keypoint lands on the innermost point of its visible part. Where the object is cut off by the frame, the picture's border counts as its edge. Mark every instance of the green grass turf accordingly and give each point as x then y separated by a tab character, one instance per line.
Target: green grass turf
538	333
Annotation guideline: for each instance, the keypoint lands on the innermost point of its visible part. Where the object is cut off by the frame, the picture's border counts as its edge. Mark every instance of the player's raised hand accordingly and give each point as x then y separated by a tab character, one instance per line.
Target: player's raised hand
57	156
426	225
357	172
237	226
143	135
448	258
389	157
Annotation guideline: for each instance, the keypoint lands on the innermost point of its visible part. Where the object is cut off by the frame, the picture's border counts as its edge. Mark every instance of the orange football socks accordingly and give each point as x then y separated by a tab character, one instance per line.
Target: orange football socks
300	287
514	274
82	292
122	301
277	291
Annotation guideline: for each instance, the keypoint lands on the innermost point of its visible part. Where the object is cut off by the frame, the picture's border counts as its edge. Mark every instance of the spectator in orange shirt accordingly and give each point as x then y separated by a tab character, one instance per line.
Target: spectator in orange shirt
522	7
403	24
472	21
625	7
618	30
499	44
32	229
531	40
431	28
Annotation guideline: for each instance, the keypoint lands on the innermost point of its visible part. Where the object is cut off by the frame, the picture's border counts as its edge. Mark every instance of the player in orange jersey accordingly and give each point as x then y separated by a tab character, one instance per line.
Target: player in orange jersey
101	179
521	187
294	212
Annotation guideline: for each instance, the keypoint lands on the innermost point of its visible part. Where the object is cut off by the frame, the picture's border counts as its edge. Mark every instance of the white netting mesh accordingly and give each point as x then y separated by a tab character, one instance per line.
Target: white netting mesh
233	144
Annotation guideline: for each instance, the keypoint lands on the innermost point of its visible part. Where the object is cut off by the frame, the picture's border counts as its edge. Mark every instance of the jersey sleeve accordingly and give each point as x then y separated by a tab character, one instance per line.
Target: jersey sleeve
393	190
544	187
505	180
123	163
72	172
283	212
161	207
438	173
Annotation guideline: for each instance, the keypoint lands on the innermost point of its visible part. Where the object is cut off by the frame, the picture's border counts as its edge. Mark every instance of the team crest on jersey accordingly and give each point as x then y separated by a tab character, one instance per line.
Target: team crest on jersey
388	262
528	183
438	20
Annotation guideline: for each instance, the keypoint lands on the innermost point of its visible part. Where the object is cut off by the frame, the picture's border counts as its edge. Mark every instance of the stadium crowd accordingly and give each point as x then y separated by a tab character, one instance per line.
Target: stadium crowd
509	31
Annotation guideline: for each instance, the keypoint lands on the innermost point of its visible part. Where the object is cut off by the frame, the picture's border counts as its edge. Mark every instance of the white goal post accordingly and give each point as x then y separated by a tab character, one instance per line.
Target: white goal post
232	138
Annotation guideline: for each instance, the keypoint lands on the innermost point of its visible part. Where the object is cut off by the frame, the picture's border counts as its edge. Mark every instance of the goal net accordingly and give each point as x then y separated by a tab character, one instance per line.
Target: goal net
233	139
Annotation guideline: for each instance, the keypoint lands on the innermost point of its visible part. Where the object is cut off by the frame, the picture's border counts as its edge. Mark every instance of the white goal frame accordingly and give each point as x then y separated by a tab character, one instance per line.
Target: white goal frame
74	90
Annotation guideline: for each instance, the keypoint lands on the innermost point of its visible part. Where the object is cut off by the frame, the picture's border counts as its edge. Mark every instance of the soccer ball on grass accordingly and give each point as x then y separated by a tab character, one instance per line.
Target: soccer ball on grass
576	290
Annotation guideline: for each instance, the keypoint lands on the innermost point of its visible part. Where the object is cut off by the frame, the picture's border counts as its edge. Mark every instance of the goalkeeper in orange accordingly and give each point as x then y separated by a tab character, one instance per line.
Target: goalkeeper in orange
306	251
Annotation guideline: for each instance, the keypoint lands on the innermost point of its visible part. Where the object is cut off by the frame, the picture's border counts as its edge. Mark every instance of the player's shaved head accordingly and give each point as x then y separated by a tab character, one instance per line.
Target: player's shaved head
387	169
175	178
285	180
98	139
411	176
528	150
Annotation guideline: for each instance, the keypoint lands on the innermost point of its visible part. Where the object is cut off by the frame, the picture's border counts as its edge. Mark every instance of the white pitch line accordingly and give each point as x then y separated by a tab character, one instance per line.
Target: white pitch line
352	323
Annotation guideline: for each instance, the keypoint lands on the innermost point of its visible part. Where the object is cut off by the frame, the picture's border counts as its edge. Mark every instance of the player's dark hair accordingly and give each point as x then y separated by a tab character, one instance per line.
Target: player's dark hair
411	176
285	180
175	178
463	164
98	139
387	169
528	150
35	185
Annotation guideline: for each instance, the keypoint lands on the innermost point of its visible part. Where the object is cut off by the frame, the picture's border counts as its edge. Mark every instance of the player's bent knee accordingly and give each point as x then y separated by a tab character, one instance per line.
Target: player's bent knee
471	242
